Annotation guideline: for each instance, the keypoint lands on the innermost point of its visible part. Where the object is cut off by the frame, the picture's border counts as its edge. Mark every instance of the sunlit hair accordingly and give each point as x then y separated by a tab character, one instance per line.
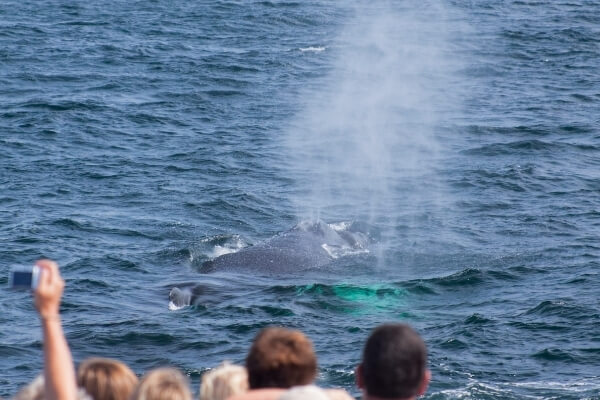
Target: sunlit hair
223	382
163	384
106	379
280	358
35	391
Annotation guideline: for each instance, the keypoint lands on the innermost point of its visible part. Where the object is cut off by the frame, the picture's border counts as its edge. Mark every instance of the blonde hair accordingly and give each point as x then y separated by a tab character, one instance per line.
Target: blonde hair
163	384
106	379
224	381
35	391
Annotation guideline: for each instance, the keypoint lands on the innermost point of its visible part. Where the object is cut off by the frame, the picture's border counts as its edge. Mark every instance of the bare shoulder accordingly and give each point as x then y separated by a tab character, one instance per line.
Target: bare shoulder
338	394
259	394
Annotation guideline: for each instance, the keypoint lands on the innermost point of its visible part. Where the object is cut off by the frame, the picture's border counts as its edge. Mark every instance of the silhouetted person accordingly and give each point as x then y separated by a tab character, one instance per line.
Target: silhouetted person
394	364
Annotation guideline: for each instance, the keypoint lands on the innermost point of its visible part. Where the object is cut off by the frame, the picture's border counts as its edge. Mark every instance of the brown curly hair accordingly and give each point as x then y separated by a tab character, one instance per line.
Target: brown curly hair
280	358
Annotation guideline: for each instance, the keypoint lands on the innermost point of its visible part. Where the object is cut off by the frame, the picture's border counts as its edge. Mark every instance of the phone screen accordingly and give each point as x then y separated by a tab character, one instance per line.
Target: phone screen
22	279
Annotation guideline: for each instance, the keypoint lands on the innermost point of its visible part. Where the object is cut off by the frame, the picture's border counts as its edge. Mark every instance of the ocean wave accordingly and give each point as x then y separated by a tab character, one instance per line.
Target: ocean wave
312	49
467	277
556	355
584	384
566	308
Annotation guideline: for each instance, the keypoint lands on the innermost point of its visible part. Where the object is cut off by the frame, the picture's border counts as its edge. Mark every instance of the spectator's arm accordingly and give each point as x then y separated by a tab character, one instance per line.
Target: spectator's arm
59	372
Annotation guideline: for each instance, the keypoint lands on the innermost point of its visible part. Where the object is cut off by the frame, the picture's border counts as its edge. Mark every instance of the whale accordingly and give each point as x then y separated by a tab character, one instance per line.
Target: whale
307	245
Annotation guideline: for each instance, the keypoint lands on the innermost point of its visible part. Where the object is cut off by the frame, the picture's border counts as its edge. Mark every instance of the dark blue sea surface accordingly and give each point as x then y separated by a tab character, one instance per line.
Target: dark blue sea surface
139	139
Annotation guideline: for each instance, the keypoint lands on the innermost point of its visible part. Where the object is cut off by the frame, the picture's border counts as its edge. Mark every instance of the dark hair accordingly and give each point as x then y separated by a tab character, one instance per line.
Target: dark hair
280	358
394	362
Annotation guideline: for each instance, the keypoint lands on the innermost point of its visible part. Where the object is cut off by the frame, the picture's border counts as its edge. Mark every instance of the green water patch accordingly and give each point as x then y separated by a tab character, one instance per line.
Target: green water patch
358	299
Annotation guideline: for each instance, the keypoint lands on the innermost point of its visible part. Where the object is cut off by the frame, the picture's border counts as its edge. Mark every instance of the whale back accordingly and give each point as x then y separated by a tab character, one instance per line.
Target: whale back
306	245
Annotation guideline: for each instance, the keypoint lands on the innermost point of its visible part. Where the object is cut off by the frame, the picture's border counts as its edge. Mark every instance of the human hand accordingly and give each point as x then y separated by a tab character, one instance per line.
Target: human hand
49	290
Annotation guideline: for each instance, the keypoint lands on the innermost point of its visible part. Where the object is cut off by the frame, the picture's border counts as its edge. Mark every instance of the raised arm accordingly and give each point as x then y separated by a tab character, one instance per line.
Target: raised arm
59	372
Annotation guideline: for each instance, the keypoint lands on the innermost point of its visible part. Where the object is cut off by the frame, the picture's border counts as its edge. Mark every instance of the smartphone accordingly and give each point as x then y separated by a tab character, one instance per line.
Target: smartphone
24	278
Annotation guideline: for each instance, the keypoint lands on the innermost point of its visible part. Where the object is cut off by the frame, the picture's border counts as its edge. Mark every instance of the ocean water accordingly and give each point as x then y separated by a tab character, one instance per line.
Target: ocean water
139	139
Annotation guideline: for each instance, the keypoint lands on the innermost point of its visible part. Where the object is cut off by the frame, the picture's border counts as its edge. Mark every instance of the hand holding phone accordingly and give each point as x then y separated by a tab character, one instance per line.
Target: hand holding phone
49	291
23	278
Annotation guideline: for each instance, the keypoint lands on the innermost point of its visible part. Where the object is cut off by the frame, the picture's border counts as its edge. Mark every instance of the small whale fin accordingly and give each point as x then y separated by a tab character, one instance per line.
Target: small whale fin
179	298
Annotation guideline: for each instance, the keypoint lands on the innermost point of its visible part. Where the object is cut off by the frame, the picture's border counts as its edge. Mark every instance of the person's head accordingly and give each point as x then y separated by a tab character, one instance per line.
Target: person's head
106	379
280	358
223	382
394	364
163	384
